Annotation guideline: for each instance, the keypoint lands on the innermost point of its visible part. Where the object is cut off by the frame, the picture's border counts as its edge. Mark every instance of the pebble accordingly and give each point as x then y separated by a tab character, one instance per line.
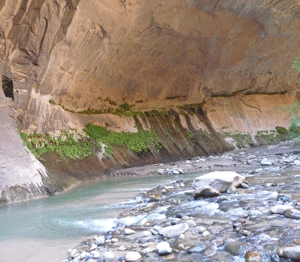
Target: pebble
173	231
163	248
108	255
146	233
132	256
235	248
266	162
252	256
128	231
200	229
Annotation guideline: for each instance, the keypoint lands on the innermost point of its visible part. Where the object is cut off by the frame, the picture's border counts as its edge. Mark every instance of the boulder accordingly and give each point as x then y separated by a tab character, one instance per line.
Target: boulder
173	231
163	248
220	185
232	178
206	191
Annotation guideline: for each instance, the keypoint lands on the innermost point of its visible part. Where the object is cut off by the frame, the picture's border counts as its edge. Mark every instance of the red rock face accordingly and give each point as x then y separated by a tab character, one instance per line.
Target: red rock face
156	53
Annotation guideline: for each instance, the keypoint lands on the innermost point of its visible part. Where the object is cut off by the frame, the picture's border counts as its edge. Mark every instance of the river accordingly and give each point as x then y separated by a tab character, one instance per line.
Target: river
44	229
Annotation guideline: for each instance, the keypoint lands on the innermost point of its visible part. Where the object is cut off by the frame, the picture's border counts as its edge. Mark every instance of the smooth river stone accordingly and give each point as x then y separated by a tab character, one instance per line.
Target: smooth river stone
163	248
289	252
132	256
292	213
173	231
280	209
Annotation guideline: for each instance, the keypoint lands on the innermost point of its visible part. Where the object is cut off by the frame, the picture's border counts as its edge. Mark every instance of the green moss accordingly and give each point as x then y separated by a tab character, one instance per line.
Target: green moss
51	101
136	142
65	145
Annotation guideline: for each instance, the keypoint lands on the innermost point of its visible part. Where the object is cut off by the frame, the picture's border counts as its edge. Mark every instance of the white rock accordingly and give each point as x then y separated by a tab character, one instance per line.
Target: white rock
200	229
205	233
73	253
108	255
161	171
289	252
149	249
114	240
93	247
191	223
173	231
146	233
280	209
266	162
163	248
128	231
297	162
95	254
100	240
132	256
122	248
83	255
143	222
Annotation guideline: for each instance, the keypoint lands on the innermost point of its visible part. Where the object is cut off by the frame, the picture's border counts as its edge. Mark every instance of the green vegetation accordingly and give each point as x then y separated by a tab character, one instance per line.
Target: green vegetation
136	142
66	145
242	139
51	101
296	66
70	145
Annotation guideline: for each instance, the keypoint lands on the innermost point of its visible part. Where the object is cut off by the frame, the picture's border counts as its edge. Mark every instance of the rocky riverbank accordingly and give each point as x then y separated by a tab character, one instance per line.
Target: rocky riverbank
249	210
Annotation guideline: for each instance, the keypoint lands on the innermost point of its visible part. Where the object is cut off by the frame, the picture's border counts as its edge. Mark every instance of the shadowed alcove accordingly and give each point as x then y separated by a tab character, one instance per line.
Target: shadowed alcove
8	87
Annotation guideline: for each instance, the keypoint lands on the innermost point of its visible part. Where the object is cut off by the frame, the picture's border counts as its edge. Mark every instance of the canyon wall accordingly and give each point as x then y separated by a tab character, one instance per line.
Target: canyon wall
64	61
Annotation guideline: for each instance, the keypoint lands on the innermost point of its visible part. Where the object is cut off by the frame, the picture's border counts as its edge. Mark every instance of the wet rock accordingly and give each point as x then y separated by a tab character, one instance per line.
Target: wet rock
179	215
289	252
252	256
197	249
279	209
235	248
132	256
266	162
163	248
292	213
205	191
220	185
284	198
174	231
254	213
176	171
231	190
210	250
161	171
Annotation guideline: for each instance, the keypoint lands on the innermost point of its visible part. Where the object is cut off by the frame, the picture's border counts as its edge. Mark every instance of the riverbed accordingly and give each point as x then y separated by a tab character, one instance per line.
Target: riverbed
44	230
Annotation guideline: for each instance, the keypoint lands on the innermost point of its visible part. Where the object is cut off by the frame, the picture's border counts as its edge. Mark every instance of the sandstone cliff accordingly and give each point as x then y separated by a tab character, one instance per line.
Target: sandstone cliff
64	58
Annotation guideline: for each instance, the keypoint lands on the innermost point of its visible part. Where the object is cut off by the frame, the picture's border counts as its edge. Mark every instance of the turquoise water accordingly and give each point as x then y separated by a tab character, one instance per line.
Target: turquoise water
66	218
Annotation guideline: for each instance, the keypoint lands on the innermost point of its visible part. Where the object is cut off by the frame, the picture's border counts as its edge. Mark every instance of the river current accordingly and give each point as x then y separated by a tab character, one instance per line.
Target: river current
44	229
